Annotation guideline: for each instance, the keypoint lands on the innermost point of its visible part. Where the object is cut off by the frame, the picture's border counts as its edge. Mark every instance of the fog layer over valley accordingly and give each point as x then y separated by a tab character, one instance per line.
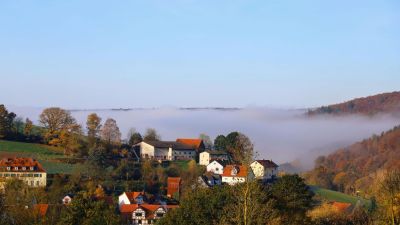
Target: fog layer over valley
281	135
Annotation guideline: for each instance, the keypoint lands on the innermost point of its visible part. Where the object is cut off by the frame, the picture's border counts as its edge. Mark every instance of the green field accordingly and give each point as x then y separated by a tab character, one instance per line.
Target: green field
336	196
48	156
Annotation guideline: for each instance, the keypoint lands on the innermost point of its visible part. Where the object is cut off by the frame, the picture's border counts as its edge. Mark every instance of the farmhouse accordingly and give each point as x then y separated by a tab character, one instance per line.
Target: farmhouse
208	156
234	174
196	143
28	170
264	169
165	150
144	213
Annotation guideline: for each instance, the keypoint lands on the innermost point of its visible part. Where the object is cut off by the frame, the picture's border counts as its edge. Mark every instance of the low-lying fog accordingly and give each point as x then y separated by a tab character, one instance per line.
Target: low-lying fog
281	135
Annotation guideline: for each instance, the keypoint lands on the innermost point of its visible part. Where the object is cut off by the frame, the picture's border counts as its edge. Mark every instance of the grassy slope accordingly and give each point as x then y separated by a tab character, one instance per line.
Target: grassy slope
47	155
330	195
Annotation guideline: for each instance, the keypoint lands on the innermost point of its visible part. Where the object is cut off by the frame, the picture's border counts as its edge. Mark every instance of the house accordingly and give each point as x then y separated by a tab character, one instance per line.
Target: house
144	213
28	170
208	156
67	199
209	180
217	166
128	198
165	150
234	174
264	169
196	143
174	187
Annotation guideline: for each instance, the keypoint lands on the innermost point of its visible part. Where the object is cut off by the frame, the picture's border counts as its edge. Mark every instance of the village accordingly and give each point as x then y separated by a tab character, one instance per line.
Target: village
137	206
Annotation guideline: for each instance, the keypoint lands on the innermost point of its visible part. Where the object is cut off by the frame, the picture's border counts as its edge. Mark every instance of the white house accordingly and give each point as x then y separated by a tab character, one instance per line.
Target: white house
128	198
234	174
216	167
264	169
165	150
208	156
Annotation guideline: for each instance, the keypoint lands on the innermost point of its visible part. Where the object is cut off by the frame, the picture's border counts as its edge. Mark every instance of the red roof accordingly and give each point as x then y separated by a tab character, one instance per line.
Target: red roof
241	173
196	143
173	184
41	209
341	206
133	195
17	164
150	209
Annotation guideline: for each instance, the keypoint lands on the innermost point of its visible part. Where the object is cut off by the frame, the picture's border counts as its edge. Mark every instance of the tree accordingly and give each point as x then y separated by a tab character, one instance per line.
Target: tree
85	210
151	135
134	137
28	127
18	124
206	140
390	196
6	122
93	125
220	142
110	132
293	198
60	126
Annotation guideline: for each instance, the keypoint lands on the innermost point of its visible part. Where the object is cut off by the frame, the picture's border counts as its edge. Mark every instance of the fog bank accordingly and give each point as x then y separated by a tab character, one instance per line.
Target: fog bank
281	135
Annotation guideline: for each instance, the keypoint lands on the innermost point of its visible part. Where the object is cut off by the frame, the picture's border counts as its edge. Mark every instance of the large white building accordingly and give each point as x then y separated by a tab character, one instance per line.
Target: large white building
264	169
28	170
165	150
208	156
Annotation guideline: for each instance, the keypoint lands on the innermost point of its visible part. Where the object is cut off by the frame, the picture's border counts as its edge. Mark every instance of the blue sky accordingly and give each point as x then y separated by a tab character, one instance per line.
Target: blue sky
100	54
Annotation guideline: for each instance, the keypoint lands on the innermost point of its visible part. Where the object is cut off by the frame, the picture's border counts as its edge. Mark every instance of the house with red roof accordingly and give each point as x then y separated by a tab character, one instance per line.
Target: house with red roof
128	198
196	143
144	213
234	174
29	170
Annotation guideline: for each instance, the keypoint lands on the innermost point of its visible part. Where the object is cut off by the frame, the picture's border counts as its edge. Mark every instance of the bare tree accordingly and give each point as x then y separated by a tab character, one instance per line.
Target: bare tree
110	132
151	135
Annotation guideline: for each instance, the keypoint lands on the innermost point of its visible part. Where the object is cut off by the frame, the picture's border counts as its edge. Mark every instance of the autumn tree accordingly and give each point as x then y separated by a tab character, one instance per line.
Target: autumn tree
93	125
390	196
151	135
110	132
61	129
134	137
28	127
6	122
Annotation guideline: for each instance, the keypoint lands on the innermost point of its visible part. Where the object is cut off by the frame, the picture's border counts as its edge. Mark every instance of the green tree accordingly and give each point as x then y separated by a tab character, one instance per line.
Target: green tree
93	125
84	210
220	142
28	127
293	198
6	122
134	137
151	135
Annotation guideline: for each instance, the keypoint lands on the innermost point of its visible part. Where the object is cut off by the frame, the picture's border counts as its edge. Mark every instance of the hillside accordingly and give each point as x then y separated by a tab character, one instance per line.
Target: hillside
52	158
357	167
381	103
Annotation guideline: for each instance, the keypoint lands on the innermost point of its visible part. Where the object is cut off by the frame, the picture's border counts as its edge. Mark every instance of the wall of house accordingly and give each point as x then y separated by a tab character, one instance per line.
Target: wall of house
233	180
32	179
123	199
258	169
146	151
215	167
204	158
183	155
162	154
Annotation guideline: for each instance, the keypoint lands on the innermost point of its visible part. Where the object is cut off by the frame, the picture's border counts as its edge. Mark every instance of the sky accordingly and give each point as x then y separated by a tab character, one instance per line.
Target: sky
196	53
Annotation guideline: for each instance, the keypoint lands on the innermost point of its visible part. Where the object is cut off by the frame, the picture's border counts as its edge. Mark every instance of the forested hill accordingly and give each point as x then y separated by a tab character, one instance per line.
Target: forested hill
357	166
381	103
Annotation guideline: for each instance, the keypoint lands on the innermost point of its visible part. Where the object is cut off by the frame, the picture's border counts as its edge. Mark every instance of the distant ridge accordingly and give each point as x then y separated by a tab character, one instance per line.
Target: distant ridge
155	108
371	105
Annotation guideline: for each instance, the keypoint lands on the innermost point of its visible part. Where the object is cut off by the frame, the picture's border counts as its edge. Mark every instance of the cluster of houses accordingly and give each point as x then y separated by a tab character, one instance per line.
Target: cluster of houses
137	207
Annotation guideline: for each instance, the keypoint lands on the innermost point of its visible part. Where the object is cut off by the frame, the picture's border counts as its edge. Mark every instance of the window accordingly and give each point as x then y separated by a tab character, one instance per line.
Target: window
36	175
138	214
37	183
16	168
13	175
24	168
8	168
32	184
160	214
31	168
